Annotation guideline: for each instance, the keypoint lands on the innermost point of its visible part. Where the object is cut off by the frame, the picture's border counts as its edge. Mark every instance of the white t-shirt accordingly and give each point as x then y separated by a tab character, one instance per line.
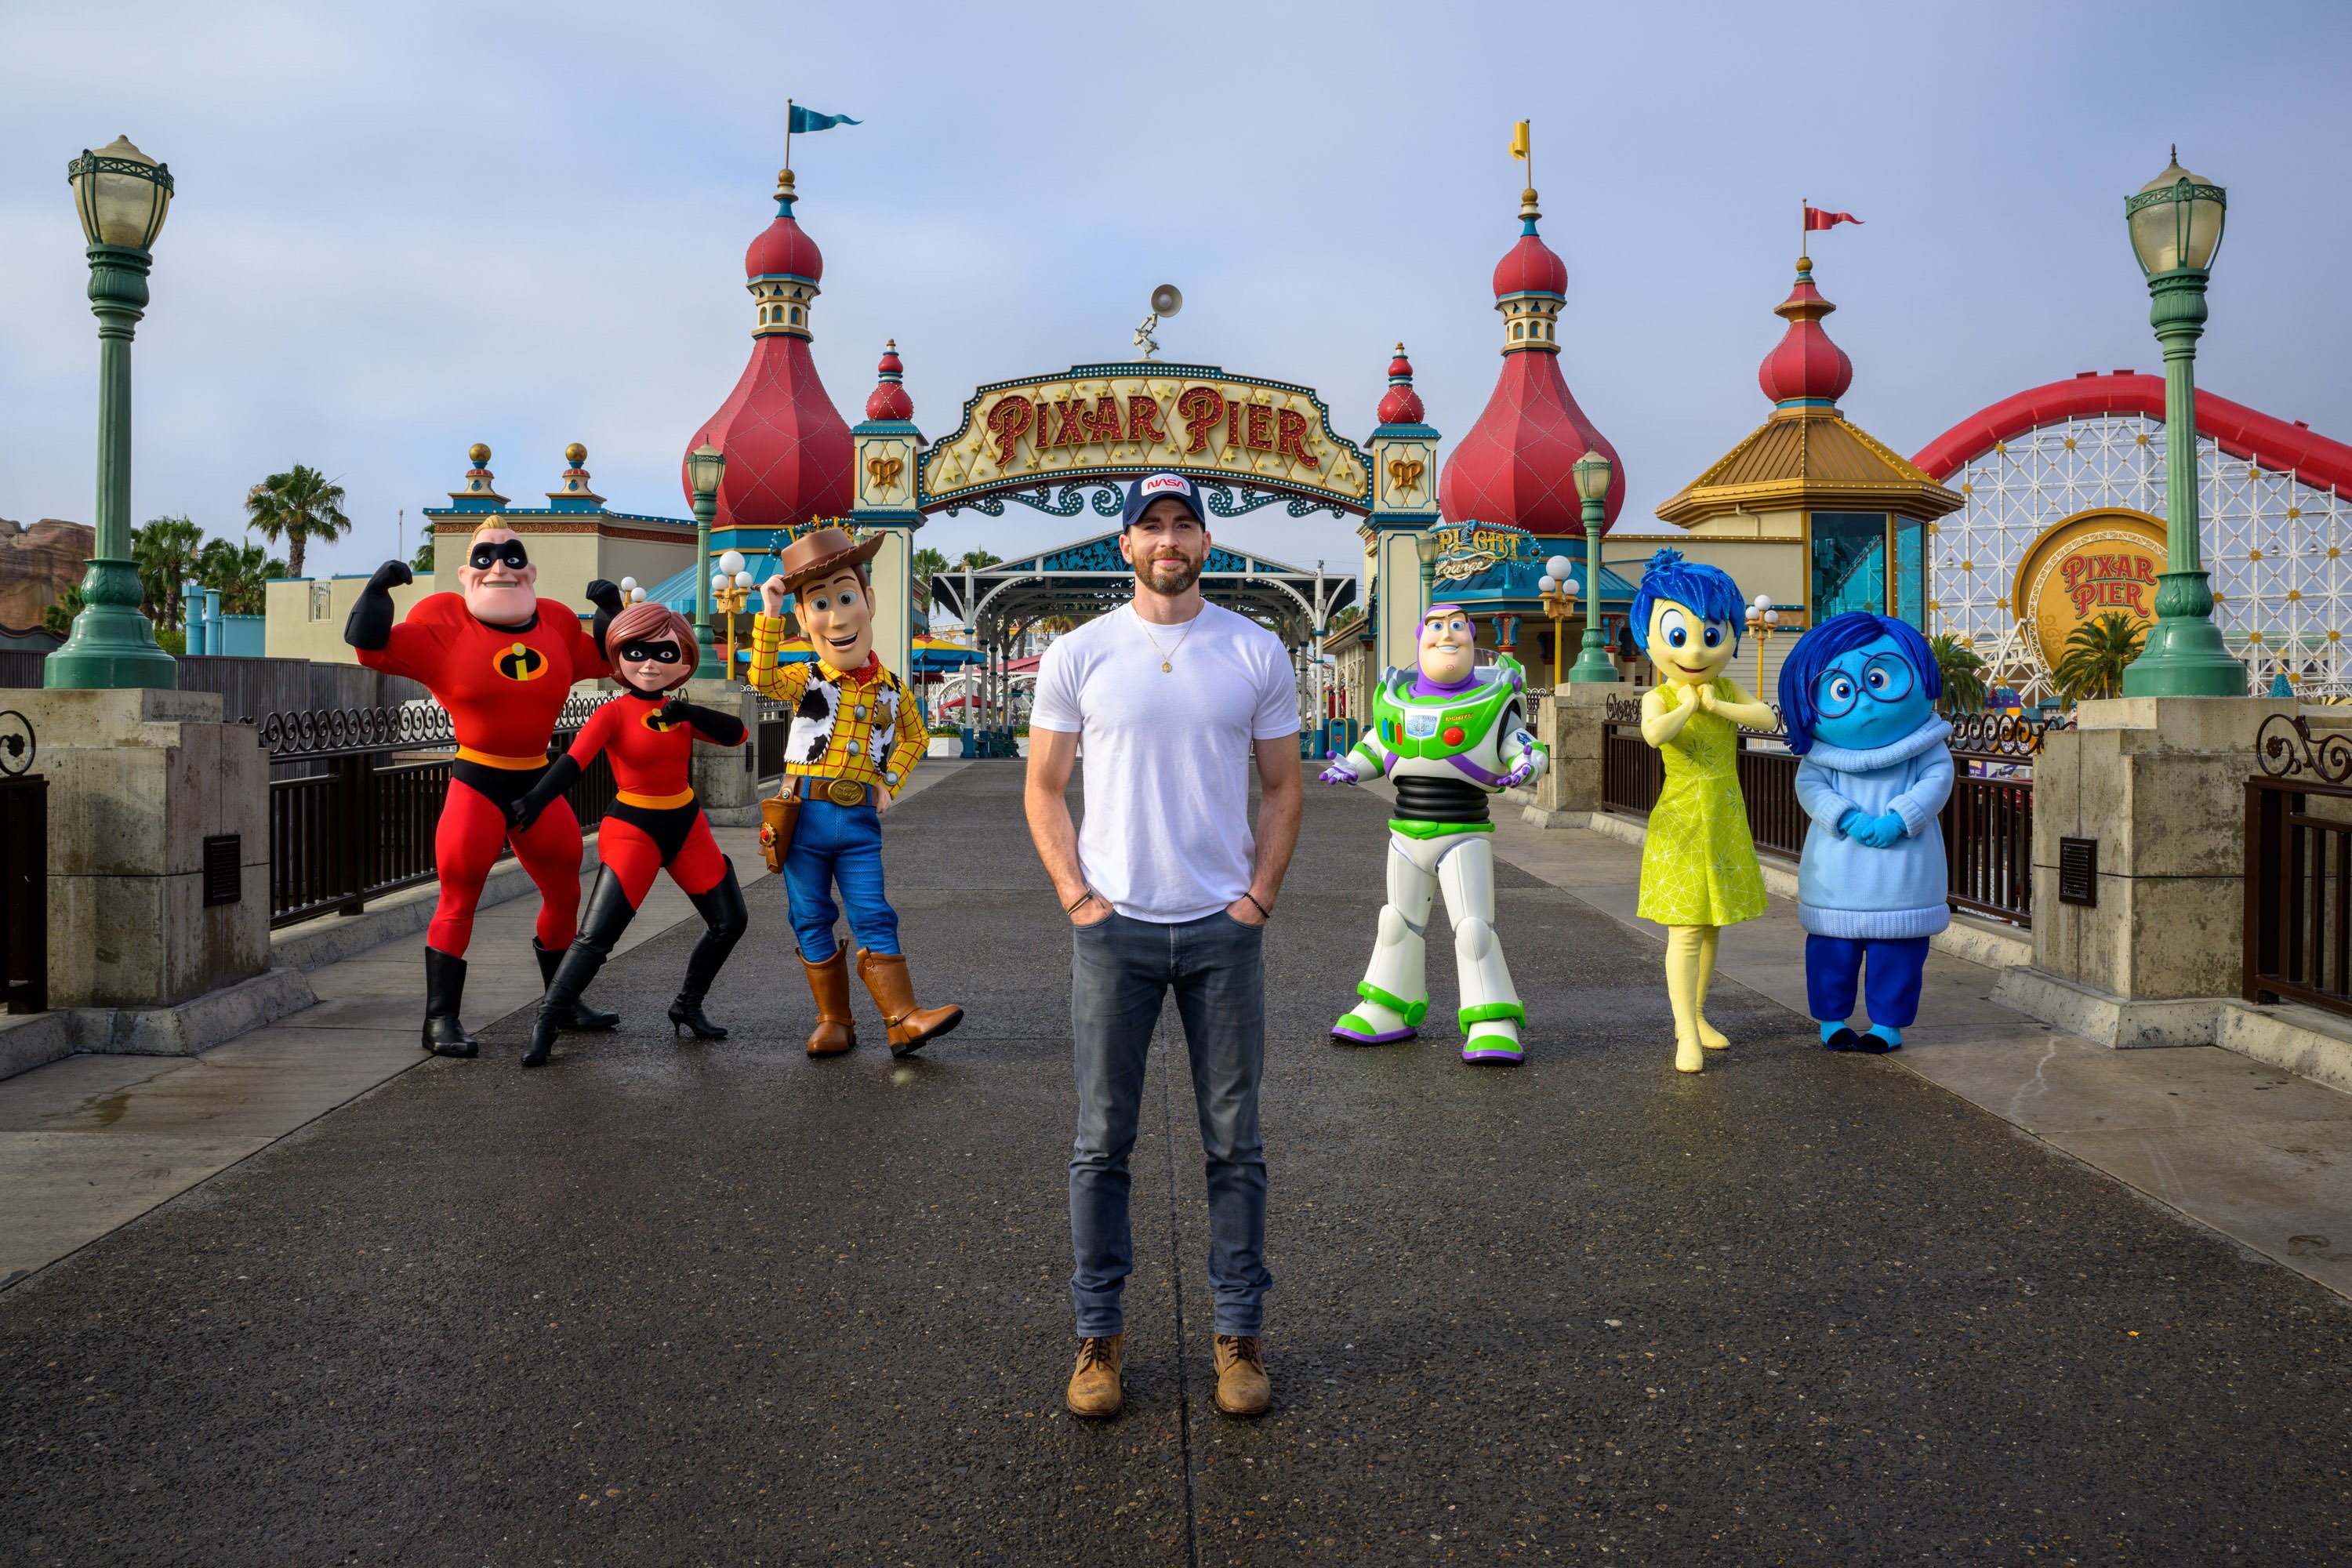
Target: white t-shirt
1166	755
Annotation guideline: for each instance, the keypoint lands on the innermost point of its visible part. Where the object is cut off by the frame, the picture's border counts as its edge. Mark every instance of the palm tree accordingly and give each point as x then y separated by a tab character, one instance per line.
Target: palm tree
1963	670
2096	654
240	572
978	560
926	563
58	618
298	506
423	563
169	551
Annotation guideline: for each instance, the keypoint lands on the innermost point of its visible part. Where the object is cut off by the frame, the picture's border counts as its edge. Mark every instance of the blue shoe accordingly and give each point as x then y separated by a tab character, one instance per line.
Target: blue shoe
1844	1039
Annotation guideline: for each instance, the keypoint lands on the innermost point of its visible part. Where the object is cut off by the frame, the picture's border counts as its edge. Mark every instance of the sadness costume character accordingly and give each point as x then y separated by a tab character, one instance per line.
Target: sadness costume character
856	735
653	823
1698	864
501	660
1451	734
1858	694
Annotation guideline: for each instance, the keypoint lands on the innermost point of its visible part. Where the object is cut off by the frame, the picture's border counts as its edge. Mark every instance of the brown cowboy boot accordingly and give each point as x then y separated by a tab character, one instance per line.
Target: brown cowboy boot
1094	1384
1243	1388
836	1030
885	974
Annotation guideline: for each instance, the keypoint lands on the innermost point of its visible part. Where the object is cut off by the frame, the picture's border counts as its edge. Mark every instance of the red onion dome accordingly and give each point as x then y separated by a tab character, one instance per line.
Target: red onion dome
1805	366
1530	267
781	247
889	400
1402	404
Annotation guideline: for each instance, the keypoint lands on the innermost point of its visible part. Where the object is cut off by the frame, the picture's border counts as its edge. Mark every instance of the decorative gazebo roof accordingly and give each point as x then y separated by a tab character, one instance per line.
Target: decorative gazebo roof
1516	466
789	454
1808	454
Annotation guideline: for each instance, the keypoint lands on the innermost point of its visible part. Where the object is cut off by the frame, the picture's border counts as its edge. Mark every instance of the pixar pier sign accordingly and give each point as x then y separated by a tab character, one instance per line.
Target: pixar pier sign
1100	424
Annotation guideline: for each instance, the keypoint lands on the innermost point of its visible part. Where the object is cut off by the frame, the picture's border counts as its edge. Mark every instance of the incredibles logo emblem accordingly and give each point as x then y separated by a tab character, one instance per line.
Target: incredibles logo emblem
521	661
653	720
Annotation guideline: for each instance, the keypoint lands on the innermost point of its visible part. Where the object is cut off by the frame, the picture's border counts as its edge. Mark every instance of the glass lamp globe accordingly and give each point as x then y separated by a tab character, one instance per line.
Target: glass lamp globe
121	193
718	582
1592	472
2176	220
628	586
1561	567
1547	585
1572	588
742	579
705	466
731	562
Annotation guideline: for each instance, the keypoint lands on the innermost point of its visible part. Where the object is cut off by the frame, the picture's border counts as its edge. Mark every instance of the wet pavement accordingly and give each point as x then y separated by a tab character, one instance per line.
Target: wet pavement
668	1302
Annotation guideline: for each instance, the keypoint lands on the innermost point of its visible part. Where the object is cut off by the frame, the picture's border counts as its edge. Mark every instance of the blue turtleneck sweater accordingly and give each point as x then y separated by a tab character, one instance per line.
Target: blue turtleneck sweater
1845	887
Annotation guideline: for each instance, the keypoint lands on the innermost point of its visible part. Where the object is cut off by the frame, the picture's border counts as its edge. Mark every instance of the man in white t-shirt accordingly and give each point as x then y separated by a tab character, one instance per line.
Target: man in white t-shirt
1174	698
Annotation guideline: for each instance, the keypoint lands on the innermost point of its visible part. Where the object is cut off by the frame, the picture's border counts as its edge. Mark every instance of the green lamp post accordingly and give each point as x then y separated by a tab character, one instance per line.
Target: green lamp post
123	196
1592	472
2175	228
705	466
1426	548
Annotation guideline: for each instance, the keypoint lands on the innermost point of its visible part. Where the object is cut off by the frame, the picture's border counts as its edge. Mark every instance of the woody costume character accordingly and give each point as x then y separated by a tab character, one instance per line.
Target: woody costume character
653	823
501	662
855	736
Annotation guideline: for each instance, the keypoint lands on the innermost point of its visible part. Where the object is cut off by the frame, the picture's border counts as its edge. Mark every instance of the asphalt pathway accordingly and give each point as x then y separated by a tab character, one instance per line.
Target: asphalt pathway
667	1302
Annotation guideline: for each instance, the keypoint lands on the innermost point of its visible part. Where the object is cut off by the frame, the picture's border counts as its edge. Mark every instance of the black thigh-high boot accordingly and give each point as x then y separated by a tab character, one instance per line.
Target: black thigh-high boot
722	911
579	1018
444	997
605	916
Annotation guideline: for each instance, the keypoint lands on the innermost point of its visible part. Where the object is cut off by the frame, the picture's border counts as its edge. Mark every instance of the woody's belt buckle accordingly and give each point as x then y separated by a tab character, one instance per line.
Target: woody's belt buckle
845	792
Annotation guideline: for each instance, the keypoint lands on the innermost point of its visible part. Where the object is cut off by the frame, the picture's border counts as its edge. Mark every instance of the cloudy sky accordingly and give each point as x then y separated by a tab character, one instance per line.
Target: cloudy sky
402	228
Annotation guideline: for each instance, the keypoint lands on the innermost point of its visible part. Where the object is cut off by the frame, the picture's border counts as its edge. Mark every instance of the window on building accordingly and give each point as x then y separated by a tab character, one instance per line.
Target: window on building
1909	593
1849	563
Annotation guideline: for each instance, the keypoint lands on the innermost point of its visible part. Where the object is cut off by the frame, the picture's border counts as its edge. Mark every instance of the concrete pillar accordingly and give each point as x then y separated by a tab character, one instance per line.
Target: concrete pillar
2158	785
146	789
1570	723
725	778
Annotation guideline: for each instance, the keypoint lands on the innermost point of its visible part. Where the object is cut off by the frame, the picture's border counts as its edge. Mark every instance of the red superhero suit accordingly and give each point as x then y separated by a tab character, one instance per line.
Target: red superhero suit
654	822
503	686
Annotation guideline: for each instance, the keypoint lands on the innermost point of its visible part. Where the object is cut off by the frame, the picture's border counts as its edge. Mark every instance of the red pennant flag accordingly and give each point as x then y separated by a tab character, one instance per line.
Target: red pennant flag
1815	218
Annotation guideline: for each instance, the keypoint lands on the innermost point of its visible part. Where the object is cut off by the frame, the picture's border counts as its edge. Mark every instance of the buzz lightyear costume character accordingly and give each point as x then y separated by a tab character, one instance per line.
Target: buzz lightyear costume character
1452	733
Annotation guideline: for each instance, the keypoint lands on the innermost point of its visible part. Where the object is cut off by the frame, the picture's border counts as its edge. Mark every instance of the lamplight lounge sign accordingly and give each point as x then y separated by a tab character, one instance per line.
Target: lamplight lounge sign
1106	422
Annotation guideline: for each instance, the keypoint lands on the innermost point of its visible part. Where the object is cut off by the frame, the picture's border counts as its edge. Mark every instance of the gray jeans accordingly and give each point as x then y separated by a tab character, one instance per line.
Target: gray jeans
1121	975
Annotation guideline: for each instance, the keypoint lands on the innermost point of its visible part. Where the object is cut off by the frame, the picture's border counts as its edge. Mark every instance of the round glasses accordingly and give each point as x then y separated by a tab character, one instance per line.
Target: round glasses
1887	678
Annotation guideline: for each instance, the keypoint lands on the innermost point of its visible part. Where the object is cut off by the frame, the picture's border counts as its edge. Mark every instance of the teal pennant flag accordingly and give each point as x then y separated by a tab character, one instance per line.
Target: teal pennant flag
807	119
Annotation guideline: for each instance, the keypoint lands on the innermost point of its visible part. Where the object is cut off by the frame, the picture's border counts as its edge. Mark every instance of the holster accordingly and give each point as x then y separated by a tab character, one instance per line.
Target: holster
779	814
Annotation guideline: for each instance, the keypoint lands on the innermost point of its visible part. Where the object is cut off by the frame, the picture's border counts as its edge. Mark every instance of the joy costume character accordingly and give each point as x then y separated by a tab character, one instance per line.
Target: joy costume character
653	823
502	661
1858	695
856	735
1451	733
1698	863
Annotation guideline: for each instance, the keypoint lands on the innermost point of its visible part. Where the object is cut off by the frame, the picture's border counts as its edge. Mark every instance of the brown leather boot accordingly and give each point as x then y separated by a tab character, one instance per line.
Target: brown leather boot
835	1031
885	974
1093	1385
1243	1388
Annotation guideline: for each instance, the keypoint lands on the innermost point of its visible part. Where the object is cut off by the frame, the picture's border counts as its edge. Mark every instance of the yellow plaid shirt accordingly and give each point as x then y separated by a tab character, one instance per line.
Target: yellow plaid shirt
847	710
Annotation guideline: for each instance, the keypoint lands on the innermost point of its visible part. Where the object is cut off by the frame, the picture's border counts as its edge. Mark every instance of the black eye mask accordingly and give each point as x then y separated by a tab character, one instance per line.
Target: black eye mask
488	553
659	652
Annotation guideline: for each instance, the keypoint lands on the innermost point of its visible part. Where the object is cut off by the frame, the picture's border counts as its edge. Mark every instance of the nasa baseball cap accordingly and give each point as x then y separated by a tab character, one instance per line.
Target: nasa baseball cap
1160	487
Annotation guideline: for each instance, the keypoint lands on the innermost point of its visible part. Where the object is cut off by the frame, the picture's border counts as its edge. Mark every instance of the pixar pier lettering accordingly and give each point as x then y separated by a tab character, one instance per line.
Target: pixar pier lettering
1193	421
2095	582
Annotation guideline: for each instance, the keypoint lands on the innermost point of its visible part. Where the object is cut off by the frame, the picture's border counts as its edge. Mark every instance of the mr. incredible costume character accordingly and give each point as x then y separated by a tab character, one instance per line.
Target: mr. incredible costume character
1452	735
856	737
501	661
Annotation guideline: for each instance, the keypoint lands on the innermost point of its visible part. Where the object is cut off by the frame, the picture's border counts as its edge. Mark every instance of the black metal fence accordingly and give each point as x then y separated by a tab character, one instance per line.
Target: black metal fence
23	869
355	798
1987	823
2298	914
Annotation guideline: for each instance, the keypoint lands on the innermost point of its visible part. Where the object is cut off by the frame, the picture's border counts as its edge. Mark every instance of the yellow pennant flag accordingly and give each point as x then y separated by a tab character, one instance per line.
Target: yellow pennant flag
1519	139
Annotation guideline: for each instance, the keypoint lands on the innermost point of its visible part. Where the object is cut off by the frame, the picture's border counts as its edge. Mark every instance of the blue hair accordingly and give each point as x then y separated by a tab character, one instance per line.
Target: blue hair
1801	675
1709	590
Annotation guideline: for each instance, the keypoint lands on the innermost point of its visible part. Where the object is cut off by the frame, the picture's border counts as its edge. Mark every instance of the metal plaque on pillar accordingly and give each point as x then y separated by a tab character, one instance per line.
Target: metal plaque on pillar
2078	871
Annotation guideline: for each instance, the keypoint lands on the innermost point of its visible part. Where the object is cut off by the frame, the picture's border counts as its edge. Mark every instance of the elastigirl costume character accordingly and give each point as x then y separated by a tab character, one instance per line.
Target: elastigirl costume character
653	823
855	736
502	665
1452	733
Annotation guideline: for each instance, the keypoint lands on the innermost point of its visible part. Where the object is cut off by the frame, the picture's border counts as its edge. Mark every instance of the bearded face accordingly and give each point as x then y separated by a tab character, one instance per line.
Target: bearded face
497	579
1167	546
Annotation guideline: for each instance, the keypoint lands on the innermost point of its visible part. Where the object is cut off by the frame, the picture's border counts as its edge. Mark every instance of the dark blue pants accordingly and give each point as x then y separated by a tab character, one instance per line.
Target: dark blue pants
1122	972
837	846
1834	964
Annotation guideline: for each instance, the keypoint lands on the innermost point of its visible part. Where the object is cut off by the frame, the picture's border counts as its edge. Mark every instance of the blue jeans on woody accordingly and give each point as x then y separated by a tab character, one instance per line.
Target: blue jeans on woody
1121	975
838	844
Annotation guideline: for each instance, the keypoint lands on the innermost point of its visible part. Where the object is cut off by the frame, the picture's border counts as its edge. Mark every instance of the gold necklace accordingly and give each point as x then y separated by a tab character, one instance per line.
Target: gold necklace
1167	654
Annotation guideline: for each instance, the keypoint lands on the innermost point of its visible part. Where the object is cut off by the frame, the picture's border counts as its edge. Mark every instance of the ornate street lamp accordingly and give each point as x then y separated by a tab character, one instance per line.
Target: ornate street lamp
123	196
705	466
1427	548
1557	589
1592	472
2175	228
732	588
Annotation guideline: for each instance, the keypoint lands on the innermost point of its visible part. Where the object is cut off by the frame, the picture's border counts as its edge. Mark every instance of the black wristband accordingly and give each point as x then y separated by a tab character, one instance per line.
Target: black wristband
1078	903
1261	909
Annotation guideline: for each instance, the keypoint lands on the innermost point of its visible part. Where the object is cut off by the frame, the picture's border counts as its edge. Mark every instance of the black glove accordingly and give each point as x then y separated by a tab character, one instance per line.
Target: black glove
370	626
606	596
558	777
725	729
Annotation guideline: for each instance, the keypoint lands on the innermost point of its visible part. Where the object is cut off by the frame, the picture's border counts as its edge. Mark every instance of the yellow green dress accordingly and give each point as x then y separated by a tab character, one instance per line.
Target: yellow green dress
1698	863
